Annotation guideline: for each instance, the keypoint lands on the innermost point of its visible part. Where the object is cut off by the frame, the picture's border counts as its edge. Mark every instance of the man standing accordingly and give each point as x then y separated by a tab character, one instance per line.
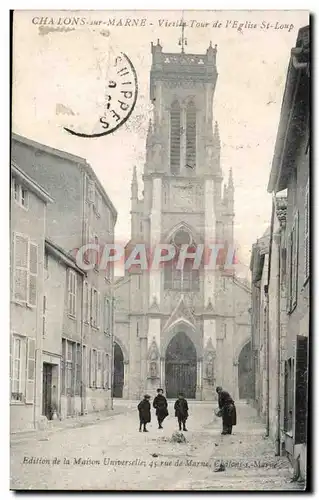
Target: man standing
228	408
144	410
160	405
181	411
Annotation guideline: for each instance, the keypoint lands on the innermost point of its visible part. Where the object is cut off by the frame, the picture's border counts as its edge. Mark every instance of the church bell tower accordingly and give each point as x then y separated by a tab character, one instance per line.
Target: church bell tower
185	343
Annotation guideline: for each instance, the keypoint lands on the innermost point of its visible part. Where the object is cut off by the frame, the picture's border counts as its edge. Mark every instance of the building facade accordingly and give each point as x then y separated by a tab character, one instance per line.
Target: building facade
185	330
286	294
28	220
78	304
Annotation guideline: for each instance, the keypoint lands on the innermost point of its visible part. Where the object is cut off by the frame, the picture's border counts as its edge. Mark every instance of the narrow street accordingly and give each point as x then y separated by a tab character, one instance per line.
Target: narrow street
249	459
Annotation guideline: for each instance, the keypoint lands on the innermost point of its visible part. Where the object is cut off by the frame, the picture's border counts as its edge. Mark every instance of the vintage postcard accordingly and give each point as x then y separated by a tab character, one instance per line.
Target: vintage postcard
160	250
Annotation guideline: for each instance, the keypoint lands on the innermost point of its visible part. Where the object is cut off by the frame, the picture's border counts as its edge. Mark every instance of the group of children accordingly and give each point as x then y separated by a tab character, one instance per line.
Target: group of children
160	405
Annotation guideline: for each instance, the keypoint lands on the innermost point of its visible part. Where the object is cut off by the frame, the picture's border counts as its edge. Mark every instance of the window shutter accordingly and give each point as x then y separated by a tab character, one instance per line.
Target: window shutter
92	319
11	362
289	274
306	242
75	281
106	371
30	374
91	368
98	307
86	183
99	381
21	255
301	390
86	301
33	272
294	263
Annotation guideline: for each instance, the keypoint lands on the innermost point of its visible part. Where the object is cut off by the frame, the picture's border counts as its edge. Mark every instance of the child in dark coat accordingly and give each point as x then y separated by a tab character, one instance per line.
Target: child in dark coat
181	411
144	409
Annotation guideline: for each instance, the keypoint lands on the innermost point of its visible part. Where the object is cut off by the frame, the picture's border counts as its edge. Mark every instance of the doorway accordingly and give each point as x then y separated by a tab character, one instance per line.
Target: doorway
181	367
245	373
118	380
47	391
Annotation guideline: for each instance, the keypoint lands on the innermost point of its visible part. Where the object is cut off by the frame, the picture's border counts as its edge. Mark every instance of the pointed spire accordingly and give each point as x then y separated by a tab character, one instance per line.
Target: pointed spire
230	179
216	134
225	196
134	185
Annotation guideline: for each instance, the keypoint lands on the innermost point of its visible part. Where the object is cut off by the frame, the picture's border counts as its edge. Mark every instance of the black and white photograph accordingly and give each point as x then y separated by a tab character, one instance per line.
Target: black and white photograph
159	250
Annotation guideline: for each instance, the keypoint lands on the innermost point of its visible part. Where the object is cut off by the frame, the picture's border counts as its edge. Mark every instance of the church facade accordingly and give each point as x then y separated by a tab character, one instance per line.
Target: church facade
183	330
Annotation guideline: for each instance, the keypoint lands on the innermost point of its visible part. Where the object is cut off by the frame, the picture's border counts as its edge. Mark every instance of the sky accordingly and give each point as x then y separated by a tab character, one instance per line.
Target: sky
56	72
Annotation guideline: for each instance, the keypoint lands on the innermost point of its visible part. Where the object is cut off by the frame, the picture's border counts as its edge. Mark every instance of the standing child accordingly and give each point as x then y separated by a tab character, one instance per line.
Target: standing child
160	404
181	411
144	409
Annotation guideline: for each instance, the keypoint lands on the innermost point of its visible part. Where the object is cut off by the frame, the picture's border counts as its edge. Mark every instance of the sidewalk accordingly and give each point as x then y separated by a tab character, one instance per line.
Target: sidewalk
70	423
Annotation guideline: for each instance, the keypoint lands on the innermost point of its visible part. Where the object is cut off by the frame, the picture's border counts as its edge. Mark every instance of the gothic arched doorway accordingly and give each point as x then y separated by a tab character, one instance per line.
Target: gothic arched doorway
180	367
245	373
118	377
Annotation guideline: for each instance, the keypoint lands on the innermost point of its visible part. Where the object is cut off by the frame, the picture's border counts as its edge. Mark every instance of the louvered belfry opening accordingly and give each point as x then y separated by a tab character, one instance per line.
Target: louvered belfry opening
175	150
191	135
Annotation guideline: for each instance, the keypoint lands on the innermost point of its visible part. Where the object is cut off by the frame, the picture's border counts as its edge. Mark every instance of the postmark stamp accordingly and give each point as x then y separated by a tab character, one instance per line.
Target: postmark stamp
117	102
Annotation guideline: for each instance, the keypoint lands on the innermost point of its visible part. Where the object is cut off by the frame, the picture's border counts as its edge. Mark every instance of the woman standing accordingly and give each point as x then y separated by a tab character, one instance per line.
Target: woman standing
228	408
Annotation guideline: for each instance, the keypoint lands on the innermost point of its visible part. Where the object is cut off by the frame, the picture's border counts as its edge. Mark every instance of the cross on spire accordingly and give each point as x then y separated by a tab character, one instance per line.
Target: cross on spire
183	40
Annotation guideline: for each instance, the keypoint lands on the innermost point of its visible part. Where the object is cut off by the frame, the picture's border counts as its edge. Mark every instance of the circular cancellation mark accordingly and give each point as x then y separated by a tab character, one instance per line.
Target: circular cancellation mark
120	95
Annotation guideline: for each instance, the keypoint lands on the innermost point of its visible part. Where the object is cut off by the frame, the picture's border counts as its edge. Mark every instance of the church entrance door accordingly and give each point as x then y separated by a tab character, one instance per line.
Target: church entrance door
245	378
180	367
118	380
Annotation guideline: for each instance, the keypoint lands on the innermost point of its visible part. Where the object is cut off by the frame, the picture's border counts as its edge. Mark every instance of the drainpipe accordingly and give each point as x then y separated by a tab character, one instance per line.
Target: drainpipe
82	357
278	242
112	345
266	289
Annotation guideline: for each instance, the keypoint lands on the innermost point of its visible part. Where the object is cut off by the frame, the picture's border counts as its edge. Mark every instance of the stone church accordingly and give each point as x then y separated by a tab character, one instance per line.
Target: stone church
183	330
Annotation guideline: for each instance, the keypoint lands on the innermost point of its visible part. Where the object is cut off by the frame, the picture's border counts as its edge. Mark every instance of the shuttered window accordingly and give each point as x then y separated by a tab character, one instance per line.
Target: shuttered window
95	301
86	302
93	367
99	377
301	391
20	194
293	265
30	373
72	281
306	237
175	137
25	271
107	315
106	370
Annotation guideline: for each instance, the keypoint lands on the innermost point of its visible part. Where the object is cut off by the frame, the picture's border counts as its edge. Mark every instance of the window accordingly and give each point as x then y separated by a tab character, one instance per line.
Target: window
93	367
106	370
185	278
90	190
306	233
16	390
191	135
175	137
86	302
96	254
20	194
95	312
99	375
72	282
289	395
293	266
25	270
44	308
78	369
107	315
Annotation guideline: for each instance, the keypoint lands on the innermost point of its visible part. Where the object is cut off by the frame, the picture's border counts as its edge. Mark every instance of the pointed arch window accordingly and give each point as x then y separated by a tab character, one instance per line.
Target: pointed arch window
175	138
187	278
191	135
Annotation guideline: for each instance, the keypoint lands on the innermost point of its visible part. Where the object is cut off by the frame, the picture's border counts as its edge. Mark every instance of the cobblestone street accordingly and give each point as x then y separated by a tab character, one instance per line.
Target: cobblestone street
154	462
